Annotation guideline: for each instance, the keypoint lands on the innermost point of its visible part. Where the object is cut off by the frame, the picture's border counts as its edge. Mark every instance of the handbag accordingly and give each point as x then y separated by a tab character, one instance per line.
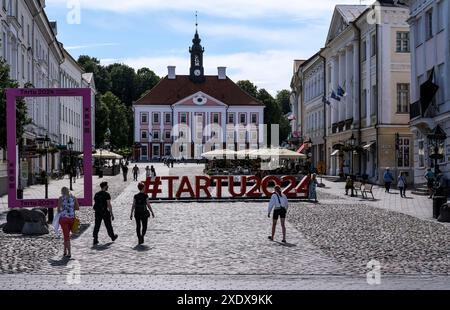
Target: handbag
75	226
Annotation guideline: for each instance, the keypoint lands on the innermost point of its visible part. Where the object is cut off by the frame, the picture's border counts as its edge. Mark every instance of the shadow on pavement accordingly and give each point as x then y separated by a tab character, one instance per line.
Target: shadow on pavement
58	263
142	248
289	245
160	230
83	228
102	247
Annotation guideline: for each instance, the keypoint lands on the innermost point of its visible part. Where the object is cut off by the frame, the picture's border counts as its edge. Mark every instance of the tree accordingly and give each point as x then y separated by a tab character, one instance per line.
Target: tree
272	111
145	80
101	74
118	120
101	120
123	82
248	87
21	108
284	101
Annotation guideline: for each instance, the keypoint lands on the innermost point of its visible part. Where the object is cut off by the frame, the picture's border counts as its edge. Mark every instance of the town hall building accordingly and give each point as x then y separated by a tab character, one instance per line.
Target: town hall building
184	116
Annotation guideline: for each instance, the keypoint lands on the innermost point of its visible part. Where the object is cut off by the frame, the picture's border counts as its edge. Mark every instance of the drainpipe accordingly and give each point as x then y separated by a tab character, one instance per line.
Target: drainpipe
377	79
324	108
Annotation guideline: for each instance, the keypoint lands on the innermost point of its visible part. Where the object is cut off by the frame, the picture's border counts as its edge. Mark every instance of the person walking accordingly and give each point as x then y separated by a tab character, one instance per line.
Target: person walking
148	172
141	209
103	212
349	186
125	172
67	205
279	204
431	178
312	188
401	184
388	179
152	172
135	172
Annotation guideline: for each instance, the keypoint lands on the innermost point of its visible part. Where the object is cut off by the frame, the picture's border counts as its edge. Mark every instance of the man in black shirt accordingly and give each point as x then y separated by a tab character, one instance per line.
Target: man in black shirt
103	211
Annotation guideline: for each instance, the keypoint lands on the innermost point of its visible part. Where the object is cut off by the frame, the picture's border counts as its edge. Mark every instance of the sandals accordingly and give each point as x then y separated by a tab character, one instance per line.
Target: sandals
270	238
284	240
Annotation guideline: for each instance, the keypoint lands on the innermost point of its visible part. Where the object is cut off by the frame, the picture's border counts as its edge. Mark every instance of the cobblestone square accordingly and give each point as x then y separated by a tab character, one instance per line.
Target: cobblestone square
224	245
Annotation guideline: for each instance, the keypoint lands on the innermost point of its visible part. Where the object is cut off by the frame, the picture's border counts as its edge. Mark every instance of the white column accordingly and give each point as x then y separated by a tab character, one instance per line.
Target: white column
356	80
341	80
348	83
334	106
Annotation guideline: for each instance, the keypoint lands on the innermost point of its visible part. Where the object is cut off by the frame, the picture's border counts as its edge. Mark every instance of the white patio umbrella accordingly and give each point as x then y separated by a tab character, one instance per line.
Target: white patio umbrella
277	152
220	153
104	154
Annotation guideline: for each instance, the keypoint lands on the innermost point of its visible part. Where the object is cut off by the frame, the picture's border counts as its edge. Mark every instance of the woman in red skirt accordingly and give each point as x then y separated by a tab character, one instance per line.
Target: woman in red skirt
67	204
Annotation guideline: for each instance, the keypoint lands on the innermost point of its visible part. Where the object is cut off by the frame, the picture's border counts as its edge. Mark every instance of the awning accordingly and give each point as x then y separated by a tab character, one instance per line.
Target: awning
368	146
335	153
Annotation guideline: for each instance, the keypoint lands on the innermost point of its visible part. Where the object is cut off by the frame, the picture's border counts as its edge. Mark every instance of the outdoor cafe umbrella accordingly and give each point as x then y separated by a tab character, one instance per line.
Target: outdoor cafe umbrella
104	154
277	152
220	153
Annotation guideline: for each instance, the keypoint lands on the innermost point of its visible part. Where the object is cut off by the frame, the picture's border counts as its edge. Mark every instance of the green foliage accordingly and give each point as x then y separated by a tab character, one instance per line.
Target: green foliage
145	80
284	100
126	86
118	122
21	108
273	112
248	87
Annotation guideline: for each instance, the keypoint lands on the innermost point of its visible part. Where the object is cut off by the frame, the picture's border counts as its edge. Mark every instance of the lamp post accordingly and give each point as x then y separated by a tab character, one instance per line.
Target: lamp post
70	146
352	142
437	137
46	147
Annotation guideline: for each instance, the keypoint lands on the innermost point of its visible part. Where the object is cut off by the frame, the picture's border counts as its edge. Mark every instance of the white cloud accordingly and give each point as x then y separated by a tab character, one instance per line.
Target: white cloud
77	47
225	8
271	70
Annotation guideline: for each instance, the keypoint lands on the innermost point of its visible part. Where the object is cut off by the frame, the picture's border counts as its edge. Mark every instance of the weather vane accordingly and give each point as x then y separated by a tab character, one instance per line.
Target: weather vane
196	20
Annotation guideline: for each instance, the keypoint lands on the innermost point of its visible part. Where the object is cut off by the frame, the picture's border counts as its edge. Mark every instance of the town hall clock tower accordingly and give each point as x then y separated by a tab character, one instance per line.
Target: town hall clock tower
197	72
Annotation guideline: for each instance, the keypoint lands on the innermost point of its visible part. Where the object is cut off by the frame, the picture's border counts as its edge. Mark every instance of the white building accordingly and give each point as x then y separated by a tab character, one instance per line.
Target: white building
430	47
367	57
36	59
310	83
186	115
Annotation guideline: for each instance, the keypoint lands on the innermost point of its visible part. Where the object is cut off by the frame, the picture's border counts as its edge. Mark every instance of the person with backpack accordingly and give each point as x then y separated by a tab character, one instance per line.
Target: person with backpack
103	212
279	204
388	179
141	209
401	184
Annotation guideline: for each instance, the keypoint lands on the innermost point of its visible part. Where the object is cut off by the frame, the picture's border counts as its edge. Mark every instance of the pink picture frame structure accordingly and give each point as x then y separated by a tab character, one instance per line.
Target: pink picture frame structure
11	95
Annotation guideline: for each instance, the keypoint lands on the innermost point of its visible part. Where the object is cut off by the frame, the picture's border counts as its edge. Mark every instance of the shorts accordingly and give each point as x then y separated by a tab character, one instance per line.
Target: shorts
281	213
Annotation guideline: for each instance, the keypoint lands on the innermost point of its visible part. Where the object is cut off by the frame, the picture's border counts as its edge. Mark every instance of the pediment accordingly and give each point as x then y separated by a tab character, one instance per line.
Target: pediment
337	26
200	99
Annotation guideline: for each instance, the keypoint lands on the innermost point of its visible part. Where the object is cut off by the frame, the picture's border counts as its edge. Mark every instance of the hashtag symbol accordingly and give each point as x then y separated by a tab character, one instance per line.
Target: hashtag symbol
153	186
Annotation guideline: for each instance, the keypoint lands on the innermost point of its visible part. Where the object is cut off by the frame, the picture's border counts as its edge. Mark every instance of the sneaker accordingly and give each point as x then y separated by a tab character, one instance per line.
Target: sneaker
114	238
95	242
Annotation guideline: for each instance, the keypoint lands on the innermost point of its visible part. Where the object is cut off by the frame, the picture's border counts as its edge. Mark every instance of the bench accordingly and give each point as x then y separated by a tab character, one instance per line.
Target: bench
367	188
357	187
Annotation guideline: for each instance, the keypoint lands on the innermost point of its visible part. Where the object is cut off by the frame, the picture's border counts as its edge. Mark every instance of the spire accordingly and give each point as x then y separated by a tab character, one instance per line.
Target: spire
196	39
197	71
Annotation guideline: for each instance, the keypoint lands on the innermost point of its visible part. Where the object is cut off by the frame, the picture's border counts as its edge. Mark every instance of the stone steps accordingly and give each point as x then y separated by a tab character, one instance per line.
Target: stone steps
420	191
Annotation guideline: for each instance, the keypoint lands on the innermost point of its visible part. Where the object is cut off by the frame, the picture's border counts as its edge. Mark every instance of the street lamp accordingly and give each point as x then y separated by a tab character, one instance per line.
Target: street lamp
70	146
352	142
46	143
437	137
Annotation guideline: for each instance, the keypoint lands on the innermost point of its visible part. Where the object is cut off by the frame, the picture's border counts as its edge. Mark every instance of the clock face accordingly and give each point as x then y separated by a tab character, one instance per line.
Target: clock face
197	72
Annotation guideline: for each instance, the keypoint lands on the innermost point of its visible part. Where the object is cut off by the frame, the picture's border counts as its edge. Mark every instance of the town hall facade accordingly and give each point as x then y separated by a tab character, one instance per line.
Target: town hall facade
184	116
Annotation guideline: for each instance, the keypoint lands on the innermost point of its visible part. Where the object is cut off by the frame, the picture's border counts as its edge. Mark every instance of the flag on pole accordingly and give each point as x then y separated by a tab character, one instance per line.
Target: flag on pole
326	101
341	92
334	96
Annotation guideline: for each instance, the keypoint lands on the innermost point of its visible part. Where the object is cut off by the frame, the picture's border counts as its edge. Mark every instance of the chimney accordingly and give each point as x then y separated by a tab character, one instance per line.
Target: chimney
222	73
172	75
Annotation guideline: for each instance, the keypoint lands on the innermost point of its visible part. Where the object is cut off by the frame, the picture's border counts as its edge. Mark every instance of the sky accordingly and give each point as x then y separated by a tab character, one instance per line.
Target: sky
256	40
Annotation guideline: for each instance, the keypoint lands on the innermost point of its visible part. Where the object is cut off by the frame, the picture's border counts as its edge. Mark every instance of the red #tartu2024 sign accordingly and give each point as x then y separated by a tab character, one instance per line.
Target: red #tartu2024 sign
261	188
